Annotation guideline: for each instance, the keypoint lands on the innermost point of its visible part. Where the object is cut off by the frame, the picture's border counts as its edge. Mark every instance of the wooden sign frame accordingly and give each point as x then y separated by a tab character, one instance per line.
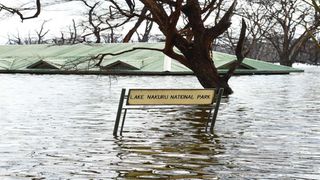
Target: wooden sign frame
153	98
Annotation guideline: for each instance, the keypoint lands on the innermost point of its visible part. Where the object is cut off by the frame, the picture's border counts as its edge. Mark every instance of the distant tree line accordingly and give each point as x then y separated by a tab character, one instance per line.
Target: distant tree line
279	31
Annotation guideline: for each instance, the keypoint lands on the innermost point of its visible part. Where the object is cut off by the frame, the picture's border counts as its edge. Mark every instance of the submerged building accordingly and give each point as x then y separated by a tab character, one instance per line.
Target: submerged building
78	59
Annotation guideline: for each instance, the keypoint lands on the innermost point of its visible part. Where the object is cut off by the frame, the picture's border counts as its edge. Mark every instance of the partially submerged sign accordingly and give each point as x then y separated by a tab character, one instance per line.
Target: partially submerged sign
170	96
205	98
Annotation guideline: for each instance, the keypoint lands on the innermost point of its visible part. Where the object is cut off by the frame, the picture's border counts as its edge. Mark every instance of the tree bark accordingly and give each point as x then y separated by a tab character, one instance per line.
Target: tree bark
205	71
209	78
285	60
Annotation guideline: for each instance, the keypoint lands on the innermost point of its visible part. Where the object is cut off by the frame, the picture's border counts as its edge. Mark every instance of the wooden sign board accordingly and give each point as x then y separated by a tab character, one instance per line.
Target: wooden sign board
170	96
184	97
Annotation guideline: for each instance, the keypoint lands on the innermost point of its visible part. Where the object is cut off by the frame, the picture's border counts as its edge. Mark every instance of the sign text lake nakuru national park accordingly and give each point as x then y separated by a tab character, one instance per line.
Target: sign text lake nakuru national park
170	96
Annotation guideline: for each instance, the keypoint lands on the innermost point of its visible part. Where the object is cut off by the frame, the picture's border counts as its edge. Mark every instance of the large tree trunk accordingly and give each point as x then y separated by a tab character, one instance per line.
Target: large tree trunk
285	60
199	60
98	38
207	74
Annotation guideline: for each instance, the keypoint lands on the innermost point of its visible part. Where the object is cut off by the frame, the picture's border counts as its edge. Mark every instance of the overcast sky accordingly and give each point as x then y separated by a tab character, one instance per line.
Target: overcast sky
59	16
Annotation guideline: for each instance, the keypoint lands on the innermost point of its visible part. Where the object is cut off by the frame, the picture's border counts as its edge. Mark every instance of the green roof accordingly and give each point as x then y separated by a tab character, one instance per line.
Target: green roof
76	58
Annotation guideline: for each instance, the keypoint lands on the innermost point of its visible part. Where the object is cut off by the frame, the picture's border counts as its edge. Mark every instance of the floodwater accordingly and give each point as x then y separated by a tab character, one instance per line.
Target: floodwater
60	127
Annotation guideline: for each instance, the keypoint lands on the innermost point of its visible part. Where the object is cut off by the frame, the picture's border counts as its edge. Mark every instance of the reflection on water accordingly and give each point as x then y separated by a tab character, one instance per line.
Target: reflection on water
174	148
61	127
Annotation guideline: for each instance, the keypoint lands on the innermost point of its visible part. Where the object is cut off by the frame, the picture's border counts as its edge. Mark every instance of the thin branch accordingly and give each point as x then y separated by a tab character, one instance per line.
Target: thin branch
136	26
101	56
75	32
240	53
223	24
19	13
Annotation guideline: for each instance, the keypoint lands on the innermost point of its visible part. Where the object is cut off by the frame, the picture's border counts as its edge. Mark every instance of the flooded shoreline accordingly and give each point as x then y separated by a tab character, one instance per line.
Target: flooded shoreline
60	127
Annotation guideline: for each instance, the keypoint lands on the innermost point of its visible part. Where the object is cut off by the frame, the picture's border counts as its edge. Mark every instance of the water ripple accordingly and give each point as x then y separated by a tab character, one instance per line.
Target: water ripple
60	127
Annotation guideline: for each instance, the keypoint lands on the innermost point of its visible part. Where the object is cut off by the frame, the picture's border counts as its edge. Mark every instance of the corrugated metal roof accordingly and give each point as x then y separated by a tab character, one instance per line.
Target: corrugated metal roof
76	58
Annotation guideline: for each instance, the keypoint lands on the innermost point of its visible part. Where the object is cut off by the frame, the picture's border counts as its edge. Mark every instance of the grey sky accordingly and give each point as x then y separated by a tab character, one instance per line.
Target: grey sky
59	16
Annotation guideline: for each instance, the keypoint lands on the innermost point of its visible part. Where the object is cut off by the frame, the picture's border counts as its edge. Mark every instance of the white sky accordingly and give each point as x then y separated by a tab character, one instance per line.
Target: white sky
59	16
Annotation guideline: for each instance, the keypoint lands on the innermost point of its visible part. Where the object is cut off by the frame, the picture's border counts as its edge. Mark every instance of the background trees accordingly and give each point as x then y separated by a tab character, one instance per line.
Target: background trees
316	6
281	26
101	21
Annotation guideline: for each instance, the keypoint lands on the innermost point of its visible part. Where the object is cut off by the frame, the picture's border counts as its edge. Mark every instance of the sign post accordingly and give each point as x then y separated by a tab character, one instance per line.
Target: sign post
116	125
216	109
153	98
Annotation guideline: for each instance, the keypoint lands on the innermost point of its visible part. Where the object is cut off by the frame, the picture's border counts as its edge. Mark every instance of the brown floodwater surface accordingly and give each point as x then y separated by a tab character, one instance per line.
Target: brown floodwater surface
60	127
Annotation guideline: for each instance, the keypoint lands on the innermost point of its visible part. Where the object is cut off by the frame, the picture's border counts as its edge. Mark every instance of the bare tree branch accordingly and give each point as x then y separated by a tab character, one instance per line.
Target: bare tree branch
136	26
19	13
240	53
101	56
